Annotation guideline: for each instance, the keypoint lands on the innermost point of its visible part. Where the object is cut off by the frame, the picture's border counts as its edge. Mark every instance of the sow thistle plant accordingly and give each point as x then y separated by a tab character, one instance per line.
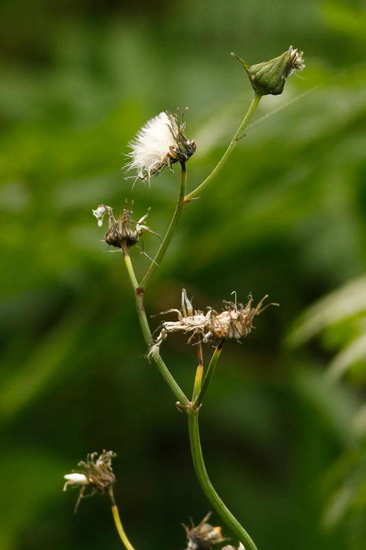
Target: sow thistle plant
159	145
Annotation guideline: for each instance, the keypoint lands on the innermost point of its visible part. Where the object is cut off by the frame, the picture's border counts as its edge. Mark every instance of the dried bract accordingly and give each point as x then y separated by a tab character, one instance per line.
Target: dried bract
235	322
159	144
203	536
97	475
122	231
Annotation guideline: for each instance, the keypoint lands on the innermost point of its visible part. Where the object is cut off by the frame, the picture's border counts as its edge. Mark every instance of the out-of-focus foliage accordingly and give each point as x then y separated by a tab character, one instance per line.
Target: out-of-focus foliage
287	216
340	319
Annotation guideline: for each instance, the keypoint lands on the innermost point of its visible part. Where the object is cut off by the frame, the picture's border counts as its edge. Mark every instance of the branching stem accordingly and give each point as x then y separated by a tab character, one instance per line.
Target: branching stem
238	134
200	468
145	327
171	228
202	379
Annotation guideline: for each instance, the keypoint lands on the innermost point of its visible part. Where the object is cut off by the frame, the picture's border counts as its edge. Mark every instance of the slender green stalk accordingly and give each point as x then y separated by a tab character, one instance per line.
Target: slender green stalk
169	379
200	468
198	397
139	296
171	228
118	523
145	327
243	124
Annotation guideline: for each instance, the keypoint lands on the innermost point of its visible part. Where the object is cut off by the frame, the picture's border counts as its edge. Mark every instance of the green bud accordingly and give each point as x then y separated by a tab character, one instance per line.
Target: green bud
270	76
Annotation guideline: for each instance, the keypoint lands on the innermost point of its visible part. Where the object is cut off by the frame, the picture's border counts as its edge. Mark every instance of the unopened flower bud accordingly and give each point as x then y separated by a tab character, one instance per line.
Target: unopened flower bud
270	76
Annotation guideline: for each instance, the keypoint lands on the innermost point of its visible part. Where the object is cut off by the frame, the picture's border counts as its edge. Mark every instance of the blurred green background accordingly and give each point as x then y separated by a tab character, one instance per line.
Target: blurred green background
284	423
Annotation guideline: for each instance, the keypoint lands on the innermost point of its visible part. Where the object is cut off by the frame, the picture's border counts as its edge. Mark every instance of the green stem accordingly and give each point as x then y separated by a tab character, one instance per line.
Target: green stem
170	231
118	523
198	398
243	124
139	298
145	327
200	468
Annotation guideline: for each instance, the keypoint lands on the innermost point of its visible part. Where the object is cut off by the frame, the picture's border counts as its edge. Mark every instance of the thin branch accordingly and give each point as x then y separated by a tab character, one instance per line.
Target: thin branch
145	327
118	523
243	124
170	231
200	468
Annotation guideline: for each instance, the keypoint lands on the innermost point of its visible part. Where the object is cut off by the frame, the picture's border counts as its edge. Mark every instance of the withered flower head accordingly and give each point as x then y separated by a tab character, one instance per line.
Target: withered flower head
203	536
270	76
235	322
97	475
159	144
122	231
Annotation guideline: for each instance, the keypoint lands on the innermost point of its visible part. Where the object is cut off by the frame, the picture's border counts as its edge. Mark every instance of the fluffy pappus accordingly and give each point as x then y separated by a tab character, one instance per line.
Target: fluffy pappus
159	144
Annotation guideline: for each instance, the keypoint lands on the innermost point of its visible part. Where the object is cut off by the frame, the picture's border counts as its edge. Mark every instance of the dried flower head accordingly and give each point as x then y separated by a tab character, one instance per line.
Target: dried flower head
122	231
235	322
203	536
97	475
270	76
159	144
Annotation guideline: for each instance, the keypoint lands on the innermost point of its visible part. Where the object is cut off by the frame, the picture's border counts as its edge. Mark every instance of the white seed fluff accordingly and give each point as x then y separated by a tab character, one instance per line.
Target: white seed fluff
297	60
99	214
75	479
152	145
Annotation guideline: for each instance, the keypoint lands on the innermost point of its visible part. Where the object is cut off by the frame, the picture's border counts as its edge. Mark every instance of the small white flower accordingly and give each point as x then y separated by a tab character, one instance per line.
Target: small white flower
160	143
75	479
100	212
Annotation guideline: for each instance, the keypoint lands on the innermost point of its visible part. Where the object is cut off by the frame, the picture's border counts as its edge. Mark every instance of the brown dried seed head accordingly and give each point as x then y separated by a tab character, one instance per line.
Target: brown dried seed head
122	231
233	323
203	536
97	475
236	321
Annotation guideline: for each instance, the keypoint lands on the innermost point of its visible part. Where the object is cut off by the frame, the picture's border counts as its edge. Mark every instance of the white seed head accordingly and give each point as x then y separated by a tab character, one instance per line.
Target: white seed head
159	144
152	145
75	479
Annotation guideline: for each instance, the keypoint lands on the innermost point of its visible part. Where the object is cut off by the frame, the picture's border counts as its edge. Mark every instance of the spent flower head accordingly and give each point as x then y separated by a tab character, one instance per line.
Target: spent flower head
159	144
270	76
203	536
96	476
122	231
234	322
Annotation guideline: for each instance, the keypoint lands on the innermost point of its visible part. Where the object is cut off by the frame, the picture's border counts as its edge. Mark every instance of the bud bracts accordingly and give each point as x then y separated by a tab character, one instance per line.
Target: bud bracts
269	77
